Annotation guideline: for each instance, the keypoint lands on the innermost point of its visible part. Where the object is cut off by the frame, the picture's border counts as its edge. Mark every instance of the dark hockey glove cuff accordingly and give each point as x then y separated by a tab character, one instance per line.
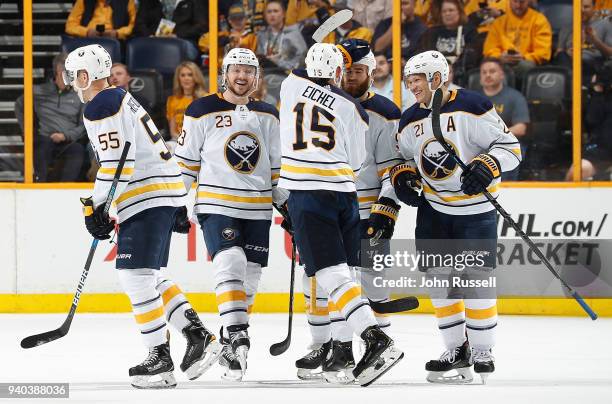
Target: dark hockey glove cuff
383	216
286	223
407	184
480	173
97	222
182	224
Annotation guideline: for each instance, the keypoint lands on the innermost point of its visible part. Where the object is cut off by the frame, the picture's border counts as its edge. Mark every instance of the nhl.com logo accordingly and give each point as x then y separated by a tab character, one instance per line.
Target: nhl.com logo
242	152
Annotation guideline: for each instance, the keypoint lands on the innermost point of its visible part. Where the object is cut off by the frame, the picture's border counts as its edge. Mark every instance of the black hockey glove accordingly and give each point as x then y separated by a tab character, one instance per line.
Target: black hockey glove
407	184
98	224
480	173
181	221
383	215
286	223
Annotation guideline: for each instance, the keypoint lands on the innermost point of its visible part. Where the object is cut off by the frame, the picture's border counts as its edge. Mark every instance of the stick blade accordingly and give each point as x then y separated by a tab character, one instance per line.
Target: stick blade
280	347
329	25
41	339
395	306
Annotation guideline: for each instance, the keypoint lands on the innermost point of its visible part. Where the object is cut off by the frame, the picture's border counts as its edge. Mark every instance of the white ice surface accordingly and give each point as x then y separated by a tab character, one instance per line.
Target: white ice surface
538	359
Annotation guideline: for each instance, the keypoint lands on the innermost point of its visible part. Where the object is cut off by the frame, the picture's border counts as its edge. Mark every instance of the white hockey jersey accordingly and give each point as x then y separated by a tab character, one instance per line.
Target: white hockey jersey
471	126
151	176
381	152
234	153
322	136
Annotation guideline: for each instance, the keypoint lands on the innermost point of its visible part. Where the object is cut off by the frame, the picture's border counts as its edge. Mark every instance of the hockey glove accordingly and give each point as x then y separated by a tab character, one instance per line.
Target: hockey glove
98	224
479	174
407	184
286	223
181	221
383	215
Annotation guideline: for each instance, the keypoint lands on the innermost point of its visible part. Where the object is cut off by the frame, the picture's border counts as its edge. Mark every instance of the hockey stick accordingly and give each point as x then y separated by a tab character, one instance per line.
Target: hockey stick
437	131
281	347
330	25
45	337
395	306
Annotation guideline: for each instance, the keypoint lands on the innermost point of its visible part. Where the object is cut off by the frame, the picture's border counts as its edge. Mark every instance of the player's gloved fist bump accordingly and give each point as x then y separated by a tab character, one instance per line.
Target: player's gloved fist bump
407	184
383	215
479	174
181	221
98	224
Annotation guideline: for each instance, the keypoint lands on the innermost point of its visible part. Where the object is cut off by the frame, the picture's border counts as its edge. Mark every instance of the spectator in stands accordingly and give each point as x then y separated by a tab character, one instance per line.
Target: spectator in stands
187	85
412	29
596	41
58	125
101	18
237	35
383	79
510	104
190	17
120	76
451	35
352	29
306	12
482	13
261	93
521	38
422	9
369	13
279	45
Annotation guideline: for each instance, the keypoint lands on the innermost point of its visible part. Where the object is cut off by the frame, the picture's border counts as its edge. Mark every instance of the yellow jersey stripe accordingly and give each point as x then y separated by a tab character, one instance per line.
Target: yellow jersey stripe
481	314
150	188
192	168
365	199
381	173
430	191
234	198
451	310
149	315
112	170
318	171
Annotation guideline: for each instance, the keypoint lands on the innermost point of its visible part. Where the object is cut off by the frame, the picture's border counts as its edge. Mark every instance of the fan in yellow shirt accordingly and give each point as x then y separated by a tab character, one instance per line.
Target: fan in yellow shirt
187	85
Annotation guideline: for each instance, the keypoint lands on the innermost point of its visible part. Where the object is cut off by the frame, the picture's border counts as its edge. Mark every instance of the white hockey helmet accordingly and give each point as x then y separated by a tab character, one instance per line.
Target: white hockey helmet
323	60
94	59
239	56
428	63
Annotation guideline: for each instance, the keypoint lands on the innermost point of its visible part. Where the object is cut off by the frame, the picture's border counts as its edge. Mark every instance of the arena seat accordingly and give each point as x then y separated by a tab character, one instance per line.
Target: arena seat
112	46
160	54
147	88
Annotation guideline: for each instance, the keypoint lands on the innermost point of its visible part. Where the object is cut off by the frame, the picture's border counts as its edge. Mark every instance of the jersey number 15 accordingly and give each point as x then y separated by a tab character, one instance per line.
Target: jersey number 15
315	126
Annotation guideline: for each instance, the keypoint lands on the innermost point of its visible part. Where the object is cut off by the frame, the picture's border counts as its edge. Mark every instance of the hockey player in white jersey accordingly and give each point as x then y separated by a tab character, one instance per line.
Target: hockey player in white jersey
454	208
323	150
230	145
378	210
150	199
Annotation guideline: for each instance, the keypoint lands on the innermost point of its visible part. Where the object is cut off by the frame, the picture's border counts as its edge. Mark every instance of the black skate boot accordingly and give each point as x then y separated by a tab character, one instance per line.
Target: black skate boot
308	366
457	359
379	356
202	351
338	366
484	363
229	361
156	371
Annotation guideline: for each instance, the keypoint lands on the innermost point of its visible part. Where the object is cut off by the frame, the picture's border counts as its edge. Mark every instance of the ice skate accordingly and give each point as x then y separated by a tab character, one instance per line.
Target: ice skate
338	366
310	366
380	356
228	360
453	367
156	371
484	363
235	352
203	349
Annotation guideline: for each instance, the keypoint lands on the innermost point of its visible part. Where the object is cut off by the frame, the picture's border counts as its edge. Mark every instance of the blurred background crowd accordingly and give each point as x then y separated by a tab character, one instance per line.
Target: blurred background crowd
516	52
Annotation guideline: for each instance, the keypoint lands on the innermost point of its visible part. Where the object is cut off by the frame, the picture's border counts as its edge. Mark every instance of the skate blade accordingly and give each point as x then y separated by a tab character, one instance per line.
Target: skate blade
391	356
309	374
344	376
463	376
484	376
241	354
210	356
161	381
233	375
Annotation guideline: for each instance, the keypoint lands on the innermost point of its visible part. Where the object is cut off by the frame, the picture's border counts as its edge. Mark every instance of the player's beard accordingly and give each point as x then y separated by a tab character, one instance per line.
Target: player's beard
358	91
244	93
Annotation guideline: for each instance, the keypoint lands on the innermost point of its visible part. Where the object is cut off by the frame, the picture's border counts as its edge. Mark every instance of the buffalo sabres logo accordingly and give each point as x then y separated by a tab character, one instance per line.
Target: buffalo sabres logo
228	234
242	152
437	164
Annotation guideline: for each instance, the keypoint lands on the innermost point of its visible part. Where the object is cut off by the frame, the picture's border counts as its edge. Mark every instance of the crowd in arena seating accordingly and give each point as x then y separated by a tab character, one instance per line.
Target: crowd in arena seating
492	45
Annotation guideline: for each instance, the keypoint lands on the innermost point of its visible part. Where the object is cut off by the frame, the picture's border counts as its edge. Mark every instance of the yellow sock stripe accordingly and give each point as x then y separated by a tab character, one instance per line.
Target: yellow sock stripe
352	293
149	315
231	296
170	293
150	188
234	198
481	314
318	171
332	306
250	309
451	310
